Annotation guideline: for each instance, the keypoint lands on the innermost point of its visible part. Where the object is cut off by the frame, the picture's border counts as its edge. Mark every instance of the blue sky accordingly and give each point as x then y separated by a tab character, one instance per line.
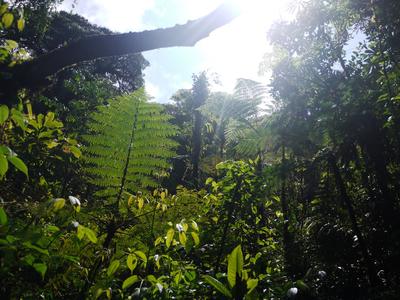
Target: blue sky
232	52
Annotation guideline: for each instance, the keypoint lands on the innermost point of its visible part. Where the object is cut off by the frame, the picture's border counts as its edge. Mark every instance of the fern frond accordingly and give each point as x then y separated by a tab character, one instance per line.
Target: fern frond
128	145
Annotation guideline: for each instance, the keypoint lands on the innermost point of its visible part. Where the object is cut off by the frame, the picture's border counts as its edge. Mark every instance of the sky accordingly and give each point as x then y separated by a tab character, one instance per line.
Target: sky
233	51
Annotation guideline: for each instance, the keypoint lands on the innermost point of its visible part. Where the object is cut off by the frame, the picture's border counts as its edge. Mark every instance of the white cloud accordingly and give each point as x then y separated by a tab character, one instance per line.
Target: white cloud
117	15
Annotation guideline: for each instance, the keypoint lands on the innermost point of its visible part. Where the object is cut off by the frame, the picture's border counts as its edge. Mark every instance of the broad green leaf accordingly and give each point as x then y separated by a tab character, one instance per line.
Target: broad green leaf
129	281
80	232
4	113
182	238
38	249
75	151
140	203
3	165
7	19
52	144
302	285
251	285
141	255
195	238
3	8
19	164
58	203
40	268
3	217
194	226
18	118
113	267
21	24
131	262
217	285
91	235
152	278
235	265
170	236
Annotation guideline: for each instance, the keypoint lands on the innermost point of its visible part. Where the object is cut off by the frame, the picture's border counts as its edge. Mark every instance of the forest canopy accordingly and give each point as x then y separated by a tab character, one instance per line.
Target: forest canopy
288	189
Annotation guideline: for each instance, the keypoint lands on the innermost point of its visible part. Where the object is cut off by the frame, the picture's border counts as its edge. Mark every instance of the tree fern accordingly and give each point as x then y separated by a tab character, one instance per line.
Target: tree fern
128	146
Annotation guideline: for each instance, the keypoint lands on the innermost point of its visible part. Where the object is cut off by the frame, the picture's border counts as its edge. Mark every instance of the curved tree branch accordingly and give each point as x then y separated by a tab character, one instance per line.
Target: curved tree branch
33	73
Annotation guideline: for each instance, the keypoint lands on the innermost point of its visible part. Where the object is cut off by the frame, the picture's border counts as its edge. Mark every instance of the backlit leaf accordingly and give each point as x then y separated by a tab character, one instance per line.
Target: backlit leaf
129	281
7	19
113	267
217	285
4	113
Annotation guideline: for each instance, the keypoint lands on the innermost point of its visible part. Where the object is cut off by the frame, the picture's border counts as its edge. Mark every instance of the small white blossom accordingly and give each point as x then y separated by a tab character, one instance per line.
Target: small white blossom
74	201
75	223
156	257
292	292
321	274
179	227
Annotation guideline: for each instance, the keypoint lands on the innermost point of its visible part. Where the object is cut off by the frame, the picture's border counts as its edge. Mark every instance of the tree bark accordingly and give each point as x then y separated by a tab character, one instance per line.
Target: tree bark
33	73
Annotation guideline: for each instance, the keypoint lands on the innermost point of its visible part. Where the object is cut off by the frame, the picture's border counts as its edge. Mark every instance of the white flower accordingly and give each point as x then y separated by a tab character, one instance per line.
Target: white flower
156	257
75	223
292	292
179	227
321	274
74	201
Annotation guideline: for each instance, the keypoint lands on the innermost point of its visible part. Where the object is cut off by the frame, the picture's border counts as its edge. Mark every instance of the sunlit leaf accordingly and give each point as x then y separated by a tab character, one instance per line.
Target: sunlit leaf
251	285
58	203
21	24
41	268
217	285
91	235
141	255
19	164
182	238
3	165
3	217
235	265
4	114
195	238
170	236
129	281
7	19
113	267
131	262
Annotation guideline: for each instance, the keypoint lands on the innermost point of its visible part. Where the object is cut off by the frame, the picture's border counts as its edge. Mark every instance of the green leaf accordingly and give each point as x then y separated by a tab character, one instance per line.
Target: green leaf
80	232
7	19
251	285
75	151
141	255
58	203
113	267
170	236
302	285
3	217
40	268
3	8
129	281
4	113
217	285
91	235
3	165
131	262
18	118
21	24
38	249
194	226
182	238
195	238
235	265
19	164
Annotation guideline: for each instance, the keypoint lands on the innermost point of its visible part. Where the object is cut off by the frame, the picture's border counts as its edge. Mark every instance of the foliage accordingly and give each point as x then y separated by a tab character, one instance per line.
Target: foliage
128	145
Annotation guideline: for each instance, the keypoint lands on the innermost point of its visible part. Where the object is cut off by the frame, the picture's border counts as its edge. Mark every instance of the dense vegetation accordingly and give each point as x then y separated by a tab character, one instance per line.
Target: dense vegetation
105	195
